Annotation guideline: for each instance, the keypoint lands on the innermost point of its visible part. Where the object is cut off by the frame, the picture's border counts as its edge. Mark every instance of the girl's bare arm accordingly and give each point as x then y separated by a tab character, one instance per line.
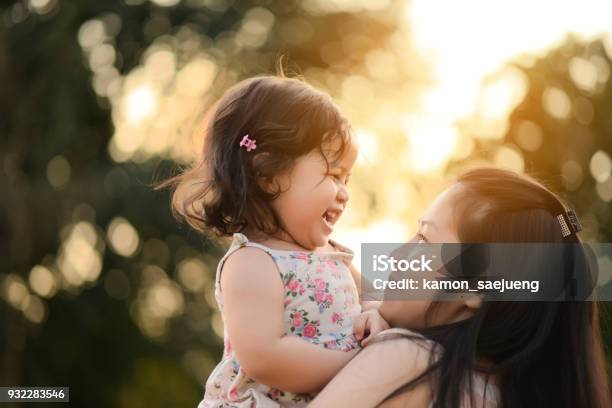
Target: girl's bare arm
253	296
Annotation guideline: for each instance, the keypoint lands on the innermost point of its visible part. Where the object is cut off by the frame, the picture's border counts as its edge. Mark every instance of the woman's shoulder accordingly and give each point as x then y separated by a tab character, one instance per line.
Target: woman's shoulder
409	336
405	348
401	331
379	369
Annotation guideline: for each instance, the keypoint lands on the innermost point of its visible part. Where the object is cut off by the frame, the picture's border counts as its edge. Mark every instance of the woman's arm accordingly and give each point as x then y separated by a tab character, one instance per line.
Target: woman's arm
253	297
376	372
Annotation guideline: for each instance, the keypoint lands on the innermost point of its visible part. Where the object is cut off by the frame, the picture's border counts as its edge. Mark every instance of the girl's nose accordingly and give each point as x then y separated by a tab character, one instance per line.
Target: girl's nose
343	194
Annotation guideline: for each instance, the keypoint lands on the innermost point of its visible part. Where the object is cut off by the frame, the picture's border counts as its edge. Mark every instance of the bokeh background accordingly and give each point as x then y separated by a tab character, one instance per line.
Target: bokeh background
101	290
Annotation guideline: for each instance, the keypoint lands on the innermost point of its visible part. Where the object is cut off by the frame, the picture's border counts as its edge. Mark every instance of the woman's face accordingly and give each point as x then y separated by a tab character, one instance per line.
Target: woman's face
436	226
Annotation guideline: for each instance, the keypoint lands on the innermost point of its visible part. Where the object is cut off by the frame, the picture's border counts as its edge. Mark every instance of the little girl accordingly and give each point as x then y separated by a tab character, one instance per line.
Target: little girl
276	161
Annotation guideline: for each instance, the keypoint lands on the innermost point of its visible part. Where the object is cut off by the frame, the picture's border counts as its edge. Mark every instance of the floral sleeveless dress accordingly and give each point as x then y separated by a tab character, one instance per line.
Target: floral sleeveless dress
321	301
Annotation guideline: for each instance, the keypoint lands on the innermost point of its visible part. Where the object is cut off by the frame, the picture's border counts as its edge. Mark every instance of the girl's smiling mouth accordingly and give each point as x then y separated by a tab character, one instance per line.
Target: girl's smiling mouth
331	216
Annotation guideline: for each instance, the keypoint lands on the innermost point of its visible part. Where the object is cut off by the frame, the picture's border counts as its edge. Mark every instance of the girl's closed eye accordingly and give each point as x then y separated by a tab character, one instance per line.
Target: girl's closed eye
341	178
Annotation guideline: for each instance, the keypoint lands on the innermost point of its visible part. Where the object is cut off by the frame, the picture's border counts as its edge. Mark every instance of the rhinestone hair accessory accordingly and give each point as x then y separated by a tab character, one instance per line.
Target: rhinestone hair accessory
248	144
569	223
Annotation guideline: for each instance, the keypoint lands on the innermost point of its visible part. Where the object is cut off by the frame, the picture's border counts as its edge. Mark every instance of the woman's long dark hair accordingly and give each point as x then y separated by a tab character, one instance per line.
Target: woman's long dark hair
541	354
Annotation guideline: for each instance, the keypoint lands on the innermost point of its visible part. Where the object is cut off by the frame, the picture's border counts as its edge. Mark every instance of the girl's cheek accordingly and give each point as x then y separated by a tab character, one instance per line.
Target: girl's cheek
324	191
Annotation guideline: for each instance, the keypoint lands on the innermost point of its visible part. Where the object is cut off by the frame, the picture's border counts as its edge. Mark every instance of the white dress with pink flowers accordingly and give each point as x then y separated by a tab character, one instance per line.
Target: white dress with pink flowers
321	301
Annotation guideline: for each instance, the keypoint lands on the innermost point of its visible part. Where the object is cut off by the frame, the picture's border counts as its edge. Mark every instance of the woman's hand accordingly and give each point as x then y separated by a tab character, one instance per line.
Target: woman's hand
368	324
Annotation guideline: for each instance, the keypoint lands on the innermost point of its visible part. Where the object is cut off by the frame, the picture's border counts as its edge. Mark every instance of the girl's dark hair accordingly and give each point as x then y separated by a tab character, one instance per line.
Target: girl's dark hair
288	118
542	354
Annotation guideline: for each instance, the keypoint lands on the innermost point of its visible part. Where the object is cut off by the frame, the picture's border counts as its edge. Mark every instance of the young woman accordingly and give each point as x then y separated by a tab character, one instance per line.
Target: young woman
479	353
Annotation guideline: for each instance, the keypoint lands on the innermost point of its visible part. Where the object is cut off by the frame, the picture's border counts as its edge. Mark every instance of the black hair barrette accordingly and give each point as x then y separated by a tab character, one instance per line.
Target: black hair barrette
569	223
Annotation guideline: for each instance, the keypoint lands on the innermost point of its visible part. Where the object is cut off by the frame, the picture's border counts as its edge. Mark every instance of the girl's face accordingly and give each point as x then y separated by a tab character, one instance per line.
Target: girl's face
436	226
314	196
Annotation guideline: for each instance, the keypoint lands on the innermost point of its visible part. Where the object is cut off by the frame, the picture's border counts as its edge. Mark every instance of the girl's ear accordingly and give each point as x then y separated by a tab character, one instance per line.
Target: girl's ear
266	183
271	184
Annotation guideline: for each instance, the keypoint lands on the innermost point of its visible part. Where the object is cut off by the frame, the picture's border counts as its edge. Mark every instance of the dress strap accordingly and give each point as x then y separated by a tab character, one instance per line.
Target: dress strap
240	240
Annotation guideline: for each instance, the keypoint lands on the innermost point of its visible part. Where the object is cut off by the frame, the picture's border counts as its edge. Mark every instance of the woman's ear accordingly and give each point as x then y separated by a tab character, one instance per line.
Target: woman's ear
473	302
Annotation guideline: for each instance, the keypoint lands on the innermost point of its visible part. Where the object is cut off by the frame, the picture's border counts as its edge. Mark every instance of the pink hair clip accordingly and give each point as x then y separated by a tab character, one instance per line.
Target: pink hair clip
249	144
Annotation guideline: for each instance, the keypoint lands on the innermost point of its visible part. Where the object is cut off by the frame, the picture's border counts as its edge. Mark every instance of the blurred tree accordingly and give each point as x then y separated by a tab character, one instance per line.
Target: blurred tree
564	129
